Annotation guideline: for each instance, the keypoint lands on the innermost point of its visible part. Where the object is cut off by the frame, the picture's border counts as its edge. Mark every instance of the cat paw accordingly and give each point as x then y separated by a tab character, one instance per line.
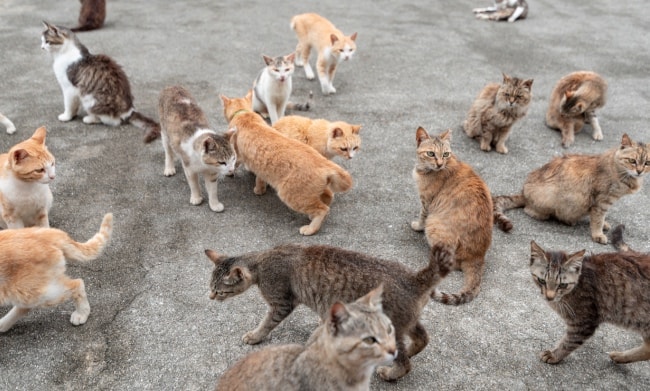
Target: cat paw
259	190
417	226
486	147
391	373
169	171
598	136
251	339
11	129
196	200
548	357
502	150
620	357
65	117
91	119
599	238
216	206
606	226
307	230
77	318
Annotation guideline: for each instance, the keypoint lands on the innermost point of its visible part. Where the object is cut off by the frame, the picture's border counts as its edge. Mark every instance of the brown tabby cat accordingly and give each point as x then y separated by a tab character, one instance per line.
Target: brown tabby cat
316	32
456	211
318	276
25	175
593	289
91	15
328	138
341	354
303	179
573	103
496	109
570	187
32	270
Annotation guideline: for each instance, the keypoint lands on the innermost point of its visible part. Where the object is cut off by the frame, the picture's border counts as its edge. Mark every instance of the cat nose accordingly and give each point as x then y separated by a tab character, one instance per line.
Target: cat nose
213	295
550	295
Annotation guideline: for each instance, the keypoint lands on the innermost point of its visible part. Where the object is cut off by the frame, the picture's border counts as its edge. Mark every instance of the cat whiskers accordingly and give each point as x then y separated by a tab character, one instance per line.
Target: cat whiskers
564	309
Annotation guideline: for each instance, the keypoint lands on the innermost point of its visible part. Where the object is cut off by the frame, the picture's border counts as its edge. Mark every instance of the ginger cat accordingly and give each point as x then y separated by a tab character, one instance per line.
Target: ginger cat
318	33
341	353
11	128
328	138
25	175
303	179
32	270
456	211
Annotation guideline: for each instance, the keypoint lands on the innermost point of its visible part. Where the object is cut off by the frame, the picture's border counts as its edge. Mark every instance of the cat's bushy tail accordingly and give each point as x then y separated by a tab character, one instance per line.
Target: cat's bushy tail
151	127
75	251
617	238
441	260
473	272
339	180
503	203
305	106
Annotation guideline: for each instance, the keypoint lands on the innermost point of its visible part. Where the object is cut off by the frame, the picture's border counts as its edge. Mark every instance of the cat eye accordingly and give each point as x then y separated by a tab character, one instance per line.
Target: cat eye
40	170
647	163
344	149
446	154
431	154
370	340
563	285
632	161
223	163
541	281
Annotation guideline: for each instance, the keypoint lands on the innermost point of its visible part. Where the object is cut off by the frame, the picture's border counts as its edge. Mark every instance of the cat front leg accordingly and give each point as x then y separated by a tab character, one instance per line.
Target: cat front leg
211	187
567	135
12	317
71	103
325	84
260	186
592	119
515	15
576	334
274	316
418	225
42	219
195	189
641	353
597	223
486	141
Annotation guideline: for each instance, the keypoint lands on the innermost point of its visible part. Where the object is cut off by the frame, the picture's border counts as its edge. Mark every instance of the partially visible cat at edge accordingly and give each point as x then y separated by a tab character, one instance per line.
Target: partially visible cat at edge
316	32
510	10
573	103
587	290
318	276
341	354
11	128
571	187
187	135
32	270
94	81
328	138
25	175
91	15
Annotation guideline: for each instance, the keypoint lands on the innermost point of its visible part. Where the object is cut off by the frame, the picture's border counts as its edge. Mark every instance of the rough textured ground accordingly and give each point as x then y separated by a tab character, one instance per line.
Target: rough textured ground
152	325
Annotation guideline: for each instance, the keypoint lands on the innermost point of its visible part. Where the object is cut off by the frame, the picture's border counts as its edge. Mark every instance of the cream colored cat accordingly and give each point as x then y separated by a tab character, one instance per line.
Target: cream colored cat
328	138
25	175
11	128
32	270
318	33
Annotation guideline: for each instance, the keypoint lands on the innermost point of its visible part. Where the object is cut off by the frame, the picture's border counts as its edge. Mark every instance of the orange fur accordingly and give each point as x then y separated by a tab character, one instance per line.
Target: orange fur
304	180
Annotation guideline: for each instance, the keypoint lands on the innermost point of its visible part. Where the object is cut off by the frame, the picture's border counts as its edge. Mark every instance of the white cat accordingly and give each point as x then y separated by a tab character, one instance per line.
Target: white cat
8	124
503	9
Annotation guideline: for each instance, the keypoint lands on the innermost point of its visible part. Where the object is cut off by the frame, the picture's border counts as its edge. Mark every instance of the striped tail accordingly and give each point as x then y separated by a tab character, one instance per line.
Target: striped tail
472	286
301	106
503	203
441	260
83	252
617	238
151	127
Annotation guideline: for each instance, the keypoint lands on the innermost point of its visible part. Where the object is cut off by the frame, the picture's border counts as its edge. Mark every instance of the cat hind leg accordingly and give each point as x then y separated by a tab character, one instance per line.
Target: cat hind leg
12	317
640	353
77	291
419	339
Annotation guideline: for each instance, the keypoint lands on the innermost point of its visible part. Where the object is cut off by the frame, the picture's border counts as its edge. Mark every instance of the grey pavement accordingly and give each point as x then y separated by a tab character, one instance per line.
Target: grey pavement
152	325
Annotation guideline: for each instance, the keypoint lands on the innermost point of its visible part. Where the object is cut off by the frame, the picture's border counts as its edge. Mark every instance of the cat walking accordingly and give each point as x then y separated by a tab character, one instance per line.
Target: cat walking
32	270
6	122
318	276
571	187
510	10
341	354
94	81
187	135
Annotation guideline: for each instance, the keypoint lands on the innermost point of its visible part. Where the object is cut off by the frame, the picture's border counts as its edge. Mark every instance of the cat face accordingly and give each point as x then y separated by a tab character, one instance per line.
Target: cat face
227	280
633	157
218	152
54	37
555	273
514	93
432	153
344	139
30	161
572	104
344	48
281	68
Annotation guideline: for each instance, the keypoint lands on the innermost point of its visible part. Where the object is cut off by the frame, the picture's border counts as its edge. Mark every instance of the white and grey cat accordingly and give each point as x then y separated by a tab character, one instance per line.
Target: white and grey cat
11	128
510	10
187	135
94	81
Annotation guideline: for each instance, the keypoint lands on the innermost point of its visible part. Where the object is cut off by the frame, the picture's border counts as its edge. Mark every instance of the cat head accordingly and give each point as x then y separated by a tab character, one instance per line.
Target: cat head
281	68
227	280
572	104
433	153
633	157
360	333
556	273
55	39
343	47
514	93
216	151
343	139
30	161
234	106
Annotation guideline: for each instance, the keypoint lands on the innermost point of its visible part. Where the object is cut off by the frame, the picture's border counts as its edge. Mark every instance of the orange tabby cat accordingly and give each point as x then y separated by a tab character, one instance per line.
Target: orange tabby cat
304	180
328	138
25	174
316	32
32	270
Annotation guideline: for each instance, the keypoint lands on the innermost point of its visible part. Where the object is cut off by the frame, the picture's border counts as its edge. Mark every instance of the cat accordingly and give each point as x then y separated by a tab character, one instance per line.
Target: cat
11	128
573	103
510	10
328	138
25	175
91	15
316	32
96	82
587	290
571	187
32	270
496	109
187	135
341	354
303	179
272	88
456	211
318	276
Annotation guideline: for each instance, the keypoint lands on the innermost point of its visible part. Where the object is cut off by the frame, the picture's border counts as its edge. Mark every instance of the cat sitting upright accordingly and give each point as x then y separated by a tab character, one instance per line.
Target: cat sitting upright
25	175
11	128
316	32
510	10
95	81
32	270
187	134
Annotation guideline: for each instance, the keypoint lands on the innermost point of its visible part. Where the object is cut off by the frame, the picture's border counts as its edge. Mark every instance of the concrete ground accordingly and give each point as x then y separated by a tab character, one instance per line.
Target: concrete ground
152	325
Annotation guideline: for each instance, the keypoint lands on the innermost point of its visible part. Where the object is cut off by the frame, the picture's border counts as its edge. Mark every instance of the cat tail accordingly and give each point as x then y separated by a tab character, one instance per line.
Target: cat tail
473	272
503	203
75	251
441	260
339	180
143	122
301	106
617	238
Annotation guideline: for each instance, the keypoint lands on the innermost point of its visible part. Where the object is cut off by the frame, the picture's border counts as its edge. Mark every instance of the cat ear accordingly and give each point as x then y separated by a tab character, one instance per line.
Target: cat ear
338	314
536	252
337	132
19	155
291	57
373	298
229	133
528	84
626	142
249	96
574	261
268	60
224	99
446	136
214	256
50	27
353	36
39	135
421	135
333	38
569	94
356	129
506	78
237	273
208	145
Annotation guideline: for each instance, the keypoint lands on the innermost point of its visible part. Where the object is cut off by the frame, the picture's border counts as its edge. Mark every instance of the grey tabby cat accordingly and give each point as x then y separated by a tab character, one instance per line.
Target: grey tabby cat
510	10
587	290
318	276
94	81
341	354
187	134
